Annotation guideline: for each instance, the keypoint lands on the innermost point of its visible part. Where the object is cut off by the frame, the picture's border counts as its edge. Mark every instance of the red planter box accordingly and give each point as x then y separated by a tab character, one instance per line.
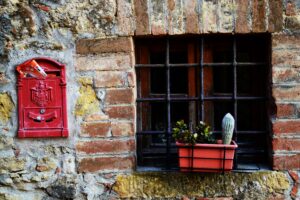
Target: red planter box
206	157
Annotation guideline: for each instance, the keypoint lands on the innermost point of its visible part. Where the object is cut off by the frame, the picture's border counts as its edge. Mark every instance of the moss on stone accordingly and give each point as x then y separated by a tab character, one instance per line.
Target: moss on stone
87	103
172	185
6	106
11	165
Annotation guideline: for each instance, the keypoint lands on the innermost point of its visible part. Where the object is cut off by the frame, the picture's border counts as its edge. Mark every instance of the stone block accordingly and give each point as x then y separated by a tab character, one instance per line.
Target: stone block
12	164
6	106
6	142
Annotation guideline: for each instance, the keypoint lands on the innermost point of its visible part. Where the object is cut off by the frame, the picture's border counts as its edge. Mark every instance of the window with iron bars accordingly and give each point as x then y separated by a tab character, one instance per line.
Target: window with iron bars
202	78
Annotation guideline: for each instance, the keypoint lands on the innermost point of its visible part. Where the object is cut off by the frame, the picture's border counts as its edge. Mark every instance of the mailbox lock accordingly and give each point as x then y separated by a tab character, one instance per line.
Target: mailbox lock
42	111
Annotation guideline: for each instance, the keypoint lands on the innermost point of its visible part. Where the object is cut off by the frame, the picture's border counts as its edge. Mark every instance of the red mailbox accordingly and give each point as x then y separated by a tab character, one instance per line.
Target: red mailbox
42	103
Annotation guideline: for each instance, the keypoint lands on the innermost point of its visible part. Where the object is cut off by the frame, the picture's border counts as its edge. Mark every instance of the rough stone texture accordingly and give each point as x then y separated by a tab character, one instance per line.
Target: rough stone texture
142	17
87	102
243	11
191	11
259	16
255	185
89	46
85	35
6	142
6	106
158	17
11	164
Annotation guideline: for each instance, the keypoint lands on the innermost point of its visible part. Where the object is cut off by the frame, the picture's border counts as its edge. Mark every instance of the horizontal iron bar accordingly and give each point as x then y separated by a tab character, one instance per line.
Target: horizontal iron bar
158	99
198	64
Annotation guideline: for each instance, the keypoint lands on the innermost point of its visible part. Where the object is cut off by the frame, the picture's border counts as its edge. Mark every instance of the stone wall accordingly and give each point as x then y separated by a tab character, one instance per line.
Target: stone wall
94	38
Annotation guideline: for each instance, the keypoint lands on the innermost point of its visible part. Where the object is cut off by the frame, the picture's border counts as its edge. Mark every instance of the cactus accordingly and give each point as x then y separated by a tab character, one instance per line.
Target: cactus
227	128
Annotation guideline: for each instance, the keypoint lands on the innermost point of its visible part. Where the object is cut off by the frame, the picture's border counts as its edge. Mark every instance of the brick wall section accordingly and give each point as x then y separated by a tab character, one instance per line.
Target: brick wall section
175	17
106	139
286	92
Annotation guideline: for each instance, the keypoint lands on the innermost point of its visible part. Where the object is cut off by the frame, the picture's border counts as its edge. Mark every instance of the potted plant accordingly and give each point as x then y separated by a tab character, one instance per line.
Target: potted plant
199	151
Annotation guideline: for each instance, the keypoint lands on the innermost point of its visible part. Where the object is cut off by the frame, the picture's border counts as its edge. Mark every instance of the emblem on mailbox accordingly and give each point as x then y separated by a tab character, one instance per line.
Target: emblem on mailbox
42	104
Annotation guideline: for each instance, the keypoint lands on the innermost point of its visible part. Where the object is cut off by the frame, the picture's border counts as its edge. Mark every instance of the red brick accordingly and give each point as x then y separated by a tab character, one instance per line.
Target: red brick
210	15
108	79
106	146
287	144
286	93
158	17
275	16
286	162
106	163
175	17
121	112
243	11
294	175
122	129
286	127
96	129
119	96
191	16
283	41
259	14
100	62
142	17
286	74
285	110
286	58
131	79
108	45
276	197
290	9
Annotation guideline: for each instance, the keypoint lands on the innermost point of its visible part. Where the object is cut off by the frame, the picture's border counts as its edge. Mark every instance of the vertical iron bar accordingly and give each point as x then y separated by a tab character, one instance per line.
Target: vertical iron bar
168	133
235	94
201	81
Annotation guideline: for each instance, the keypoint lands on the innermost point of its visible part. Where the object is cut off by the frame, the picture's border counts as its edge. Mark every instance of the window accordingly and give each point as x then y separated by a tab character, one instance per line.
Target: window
202	78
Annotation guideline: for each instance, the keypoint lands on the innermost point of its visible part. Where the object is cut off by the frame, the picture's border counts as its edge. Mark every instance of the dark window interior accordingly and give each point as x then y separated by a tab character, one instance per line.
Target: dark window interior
175	83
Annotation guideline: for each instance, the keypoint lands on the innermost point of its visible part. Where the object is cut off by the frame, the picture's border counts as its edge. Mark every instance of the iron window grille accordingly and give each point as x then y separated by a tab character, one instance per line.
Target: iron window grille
202	78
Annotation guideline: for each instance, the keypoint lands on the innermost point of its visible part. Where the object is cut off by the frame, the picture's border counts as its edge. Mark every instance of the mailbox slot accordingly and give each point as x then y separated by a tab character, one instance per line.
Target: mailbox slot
42	101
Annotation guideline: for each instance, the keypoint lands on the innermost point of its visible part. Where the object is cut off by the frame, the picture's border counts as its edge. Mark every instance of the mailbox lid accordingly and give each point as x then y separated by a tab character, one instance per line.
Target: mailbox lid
42	118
